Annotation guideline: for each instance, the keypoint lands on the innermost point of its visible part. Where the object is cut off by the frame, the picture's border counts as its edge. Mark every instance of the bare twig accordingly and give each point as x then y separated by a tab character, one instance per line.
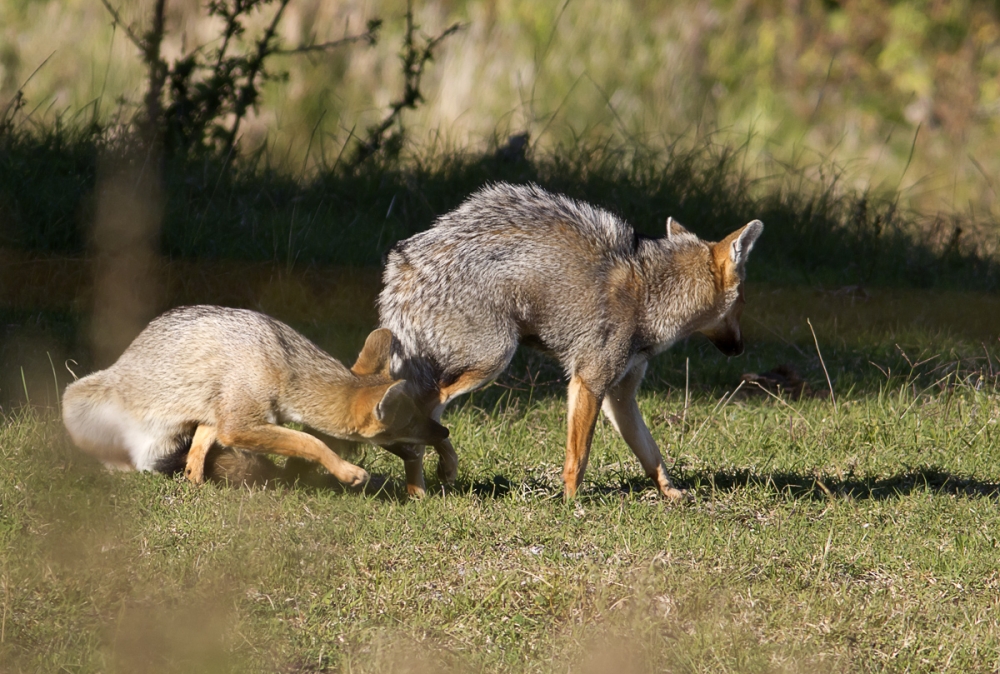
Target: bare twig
687	393
782	401
721	405
17	101
414	61
136	40
369	36
821	362
248	93
158	70
778	335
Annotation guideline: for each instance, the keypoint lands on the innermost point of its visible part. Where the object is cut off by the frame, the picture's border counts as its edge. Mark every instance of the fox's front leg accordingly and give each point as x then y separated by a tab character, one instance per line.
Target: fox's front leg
447	468
583	407
204	438
287	442
413	464
622	410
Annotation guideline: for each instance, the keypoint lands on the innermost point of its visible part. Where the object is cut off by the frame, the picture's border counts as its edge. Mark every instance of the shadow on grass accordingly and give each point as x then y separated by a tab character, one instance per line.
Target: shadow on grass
928	479
705	486
792	485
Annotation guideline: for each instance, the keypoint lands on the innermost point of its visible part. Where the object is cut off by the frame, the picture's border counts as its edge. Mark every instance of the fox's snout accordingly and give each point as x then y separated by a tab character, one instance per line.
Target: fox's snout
421	431
729	345
436	432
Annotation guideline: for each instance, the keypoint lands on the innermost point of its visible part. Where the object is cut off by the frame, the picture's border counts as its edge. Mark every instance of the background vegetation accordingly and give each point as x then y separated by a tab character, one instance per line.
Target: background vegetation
904	95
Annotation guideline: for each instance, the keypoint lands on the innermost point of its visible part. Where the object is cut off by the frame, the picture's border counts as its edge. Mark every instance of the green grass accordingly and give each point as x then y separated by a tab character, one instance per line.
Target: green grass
861	537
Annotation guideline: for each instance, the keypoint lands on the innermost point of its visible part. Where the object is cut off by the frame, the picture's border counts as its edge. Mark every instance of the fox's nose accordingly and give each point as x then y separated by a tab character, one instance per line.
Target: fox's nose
729	347
439	432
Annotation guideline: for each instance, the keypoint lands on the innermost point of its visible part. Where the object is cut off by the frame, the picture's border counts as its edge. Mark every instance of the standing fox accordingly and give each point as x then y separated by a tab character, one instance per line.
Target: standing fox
517	264
204	374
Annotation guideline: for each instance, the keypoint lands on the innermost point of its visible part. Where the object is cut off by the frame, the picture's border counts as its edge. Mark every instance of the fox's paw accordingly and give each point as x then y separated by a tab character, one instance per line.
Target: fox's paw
195	474
666	487
675	495
353	476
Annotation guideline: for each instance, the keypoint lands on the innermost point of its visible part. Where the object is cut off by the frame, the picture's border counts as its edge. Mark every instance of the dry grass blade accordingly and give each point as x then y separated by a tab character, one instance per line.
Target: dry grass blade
823	363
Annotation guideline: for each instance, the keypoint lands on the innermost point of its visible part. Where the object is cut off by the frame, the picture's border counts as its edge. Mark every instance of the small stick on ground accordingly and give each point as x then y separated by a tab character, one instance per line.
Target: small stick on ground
821	362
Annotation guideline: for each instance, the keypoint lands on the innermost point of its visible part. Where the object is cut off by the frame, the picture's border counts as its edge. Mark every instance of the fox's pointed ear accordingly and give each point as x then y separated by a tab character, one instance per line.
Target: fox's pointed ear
396	406
735	248
374	356
674	228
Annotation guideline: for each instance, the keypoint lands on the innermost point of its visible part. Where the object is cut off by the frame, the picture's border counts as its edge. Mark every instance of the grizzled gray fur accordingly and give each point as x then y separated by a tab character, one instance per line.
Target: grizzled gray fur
516	264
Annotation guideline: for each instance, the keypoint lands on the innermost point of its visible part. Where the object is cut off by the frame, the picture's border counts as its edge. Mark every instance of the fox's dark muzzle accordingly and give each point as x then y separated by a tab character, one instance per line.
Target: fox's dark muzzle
437	432
728	346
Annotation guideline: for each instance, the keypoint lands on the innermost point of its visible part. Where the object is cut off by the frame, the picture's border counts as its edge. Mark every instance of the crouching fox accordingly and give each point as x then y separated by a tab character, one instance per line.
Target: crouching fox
204	374
515	264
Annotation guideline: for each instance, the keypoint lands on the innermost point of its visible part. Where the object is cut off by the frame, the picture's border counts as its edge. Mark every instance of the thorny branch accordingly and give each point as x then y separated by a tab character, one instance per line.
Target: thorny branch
248	92
414	60
370	36
208	92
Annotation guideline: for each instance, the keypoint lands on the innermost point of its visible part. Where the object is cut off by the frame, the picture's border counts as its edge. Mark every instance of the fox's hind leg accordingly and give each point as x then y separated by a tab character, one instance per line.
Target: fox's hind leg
204	437
583	404
622	410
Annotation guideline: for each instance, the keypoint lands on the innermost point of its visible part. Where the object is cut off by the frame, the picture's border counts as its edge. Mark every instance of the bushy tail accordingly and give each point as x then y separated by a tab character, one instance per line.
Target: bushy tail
237	467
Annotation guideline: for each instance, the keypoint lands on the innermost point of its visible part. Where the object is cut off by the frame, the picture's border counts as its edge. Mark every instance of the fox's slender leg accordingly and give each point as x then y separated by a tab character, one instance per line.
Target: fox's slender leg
447	468
413	464
622	410
583	407
204	437
288	442
413	455
414	469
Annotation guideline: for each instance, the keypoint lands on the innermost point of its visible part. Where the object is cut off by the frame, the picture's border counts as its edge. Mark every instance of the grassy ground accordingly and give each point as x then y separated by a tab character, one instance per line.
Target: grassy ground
856	536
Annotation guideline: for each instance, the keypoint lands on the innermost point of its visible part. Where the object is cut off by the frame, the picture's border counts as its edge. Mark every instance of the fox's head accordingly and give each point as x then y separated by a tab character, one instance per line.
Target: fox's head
395	416
728	262
398	420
